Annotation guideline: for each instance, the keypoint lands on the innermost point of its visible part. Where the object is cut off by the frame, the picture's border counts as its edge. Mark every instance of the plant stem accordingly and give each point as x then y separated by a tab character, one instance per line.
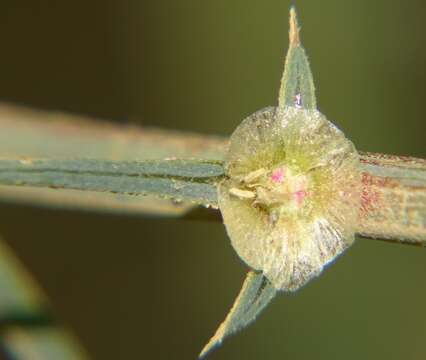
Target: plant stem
393	198
394	188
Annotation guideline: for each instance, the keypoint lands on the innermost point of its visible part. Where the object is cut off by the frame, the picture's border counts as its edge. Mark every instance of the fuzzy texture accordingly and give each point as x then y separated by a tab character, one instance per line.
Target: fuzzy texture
292	194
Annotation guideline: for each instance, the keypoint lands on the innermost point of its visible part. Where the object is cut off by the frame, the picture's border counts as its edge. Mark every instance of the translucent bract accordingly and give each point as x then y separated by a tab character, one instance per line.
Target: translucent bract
292	194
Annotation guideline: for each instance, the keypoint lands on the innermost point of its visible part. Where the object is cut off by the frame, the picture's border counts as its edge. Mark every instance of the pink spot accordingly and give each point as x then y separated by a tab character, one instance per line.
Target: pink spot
299	196
278	175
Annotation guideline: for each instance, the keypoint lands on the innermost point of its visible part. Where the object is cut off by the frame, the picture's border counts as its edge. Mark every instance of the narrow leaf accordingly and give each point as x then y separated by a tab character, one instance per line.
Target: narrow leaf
297	85
28	330
256	293
187	180
19	296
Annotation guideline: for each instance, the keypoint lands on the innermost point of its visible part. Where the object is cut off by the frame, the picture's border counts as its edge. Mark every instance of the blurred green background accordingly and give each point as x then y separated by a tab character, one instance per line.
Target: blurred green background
136	288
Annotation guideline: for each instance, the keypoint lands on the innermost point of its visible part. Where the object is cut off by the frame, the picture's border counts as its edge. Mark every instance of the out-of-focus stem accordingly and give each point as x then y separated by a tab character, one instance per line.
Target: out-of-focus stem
38	134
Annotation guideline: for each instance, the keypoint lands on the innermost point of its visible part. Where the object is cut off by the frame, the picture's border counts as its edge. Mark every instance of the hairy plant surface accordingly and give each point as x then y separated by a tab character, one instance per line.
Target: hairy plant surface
291	201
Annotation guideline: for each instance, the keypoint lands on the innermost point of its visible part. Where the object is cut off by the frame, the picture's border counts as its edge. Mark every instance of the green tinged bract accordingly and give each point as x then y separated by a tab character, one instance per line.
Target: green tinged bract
292	193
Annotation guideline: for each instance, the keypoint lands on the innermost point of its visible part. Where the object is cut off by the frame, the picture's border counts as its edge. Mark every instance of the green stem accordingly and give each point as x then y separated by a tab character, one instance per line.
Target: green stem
180	180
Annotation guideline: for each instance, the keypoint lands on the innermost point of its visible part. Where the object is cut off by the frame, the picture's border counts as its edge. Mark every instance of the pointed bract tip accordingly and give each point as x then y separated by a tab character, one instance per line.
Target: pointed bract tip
294	28
215	341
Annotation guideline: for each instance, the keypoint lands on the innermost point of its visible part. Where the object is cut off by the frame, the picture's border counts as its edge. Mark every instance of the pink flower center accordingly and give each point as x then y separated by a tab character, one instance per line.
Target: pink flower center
299	196
278	175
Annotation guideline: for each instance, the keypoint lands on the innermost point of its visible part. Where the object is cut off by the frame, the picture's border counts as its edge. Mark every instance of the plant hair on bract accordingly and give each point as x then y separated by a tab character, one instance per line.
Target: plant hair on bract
292	194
